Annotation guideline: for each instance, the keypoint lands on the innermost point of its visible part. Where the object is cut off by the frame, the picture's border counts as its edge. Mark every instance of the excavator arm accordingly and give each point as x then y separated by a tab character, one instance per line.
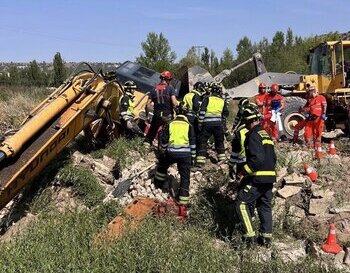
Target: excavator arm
84	99
258	64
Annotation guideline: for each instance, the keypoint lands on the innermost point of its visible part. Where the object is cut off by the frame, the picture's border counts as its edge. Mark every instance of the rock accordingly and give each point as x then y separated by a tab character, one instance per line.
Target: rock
288	191
281	173
296	212
336	210
347	256
294	179
318	206
333	134
291	251
340	257
324	193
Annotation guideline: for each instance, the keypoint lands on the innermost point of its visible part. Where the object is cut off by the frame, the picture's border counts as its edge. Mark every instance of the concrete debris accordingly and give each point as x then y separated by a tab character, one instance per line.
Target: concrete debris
340	257
288	191
296	212
291	252
347	256
323	193
336	210
333	134
281	173
294	179
319	206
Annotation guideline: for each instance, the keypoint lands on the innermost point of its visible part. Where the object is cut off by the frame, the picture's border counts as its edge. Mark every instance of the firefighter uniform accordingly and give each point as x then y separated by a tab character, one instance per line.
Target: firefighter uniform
315	121
212	113
305	110
178	146
163	109
126	115
192	103
238	156
256	186
273	102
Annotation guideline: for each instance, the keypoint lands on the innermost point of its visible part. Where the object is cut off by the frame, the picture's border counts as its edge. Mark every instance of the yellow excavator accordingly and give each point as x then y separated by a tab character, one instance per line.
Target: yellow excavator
87	101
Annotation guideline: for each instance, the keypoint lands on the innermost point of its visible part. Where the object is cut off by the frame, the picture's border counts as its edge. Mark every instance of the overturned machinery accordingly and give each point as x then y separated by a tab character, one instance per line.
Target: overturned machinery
87	101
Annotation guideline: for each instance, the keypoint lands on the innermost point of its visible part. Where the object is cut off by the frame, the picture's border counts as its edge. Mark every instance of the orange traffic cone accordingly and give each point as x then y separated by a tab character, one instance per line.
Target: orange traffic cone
332	150
310	172
331	246
318	153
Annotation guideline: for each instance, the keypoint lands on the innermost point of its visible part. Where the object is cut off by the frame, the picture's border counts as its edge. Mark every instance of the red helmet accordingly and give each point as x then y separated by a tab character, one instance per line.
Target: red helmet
262	87
166	75
274	87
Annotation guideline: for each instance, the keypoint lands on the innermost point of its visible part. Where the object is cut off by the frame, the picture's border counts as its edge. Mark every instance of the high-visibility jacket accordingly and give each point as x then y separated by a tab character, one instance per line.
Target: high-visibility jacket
213	111
126	103
238	151
261	158
318	105
178	138
192	102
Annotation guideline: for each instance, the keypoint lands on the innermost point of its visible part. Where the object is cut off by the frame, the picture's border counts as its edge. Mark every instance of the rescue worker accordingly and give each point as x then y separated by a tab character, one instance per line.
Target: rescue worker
274	105
212	113
315	119
164	101
302	123
260	97
239	116
127	116
177	145
238	156
257	178
192	102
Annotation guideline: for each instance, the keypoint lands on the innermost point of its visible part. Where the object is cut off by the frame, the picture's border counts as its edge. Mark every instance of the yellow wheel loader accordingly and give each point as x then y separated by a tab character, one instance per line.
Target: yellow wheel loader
329	73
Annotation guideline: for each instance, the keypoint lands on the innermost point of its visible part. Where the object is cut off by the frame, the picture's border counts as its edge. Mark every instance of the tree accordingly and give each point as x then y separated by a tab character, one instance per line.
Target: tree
205	58
157	53
33	74
59	71
191	58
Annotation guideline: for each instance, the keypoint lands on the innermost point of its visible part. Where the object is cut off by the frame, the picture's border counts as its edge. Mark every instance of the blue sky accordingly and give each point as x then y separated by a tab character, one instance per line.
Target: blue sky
106	30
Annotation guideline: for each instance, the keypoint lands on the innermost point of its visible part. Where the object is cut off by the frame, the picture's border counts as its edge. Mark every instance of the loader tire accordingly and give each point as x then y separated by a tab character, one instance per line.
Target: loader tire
291	116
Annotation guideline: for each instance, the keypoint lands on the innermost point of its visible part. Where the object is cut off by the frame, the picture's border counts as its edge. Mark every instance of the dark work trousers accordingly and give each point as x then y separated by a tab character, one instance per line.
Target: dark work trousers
194	122
249	196
204	135
158	120
183	166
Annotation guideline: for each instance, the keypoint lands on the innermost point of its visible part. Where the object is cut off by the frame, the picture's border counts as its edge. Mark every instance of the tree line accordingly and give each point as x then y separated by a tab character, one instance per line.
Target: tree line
33	75
285	52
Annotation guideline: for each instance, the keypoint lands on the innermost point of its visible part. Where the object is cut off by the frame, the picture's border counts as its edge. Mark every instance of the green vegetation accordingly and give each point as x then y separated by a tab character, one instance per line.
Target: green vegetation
84	184
120	149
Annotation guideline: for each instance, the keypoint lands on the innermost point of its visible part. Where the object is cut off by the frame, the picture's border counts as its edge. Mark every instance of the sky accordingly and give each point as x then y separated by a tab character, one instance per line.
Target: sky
112	31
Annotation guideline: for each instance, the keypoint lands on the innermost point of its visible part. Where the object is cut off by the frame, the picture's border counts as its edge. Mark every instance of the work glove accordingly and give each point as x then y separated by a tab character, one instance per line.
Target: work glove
324	117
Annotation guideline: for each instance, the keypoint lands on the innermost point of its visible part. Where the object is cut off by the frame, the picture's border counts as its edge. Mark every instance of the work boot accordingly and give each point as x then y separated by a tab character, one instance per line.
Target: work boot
249	242
264	241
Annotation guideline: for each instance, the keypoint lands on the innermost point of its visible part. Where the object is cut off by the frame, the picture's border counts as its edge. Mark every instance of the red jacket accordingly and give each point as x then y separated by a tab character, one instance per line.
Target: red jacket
260	101
318	105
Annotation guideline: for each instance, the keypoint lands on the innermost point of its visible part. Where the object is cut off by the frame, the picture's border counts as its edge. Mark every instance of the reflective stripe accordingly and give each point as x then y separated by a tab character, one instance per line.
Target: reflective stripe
221	157
267	141
160	176
247	169
265	173
193	146
181	150
266	235
212	119
246	220
200	159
